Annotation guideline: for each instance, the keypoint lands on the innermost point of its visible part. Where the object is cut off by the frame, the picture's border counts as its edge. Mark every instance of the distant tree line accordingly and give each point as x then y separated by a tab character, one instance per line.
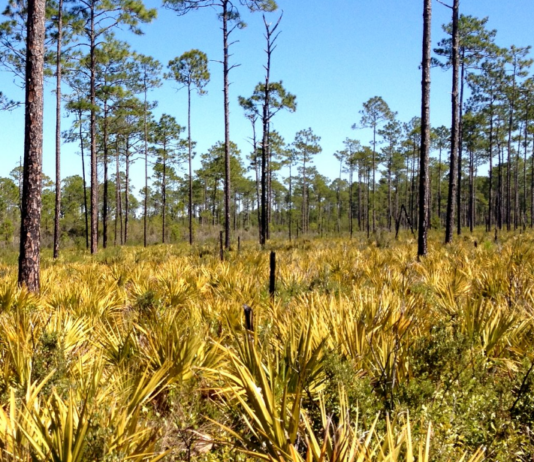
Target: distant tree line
480	170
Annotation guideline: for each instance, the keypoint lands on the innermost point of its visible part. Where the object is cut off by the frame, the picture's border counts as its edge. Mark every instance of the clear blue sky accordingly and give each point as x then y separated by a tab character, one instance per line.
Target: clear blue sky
333	56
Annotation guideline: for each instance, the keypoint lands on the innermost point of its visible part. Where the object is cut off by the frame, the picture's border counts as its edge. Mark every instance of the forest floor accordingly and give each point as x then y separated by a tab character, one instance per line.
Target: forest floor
363	353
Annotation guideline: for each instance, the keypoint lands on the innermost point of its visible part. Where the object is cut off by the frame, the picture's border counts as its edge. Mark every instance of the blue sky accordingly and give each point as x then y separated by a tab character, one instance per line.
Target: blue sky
333	56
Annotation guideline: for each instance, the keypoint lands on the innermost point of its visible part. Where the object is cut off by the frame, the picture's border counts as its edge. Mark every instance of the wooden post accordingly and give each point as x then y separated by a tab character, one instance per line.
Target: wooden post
221	245
272	277
249	317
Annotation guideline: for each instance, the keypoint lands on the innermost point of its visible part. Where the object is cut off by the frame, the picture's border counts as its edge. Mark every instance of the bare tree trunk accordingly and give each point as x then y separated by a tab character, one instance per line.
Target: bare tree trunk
351	205
389	220
118	200
439	188
490	173
471	190
455	127
226	70
57	212
145	205
290	201
374	182
106	183
422	246
94	176
190	158
509	172
126	191
30	222
460	146
85	208
163	194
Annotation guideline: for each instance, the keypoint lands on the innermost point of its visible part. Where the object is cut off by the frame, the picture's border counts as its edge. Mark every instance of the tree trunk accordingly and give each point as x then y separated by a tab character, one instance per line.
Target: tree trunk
94	176
454	128
126	190
163	196
439	188
57	211
145	205
106	182
290	201
460	146
422	246
85	208
490	173
190	158
226	70
30	235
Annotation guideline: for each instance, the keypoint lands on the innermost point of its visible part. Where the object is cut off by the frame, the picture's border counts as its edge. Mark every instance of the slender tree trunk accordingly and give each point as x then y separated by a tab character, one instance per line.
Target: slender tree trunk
190	158
422	246
360	202
163	195
126	190
85	208
509	172
490	173
118	205
30	222
471	191
374	182
455	127
351	205
524	199
499	206
145	205
94	176
532	185
389	189
439	188
516	183
57	214
338	198
290	201
106	182
226	70
460	145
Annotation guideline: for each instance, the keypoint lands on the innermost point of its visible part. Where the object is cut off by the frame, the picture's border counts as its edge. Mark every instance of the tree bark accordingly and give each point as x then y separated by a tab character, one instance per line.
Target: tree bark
454	128
226	70
30	235
190	149
94	176
460	147
57	211
422	247
145	204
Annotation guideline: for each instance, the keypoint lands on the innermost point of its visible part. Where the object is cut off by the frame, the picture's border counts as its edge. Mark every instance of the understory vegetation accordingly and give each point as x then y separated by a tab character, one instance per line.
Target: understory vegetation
363	354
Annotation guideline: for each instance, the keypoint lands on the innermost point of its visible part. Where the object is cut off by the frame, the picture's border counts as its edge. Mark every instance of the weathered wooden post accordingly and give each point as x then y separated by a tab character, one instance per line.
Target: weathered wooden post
272	276
249	317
